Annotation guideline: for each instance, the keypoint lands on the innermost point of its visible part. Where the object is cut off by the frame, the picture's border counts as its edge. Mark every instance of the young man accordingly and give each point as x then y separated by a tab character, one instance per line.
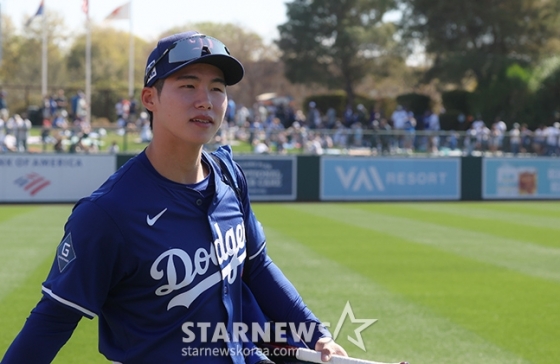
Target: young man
167	255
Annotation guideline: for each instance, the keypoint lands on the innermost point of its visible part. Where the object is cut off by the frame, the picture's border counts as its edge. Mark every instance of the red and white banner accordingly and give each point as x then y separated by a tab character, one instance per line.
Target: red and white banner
85	7
122	12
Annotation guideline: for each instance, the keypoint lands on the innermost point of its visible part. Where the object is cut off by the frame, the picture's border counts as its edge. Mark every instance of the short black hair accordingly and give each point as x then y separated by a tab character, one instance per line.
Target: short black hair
158	86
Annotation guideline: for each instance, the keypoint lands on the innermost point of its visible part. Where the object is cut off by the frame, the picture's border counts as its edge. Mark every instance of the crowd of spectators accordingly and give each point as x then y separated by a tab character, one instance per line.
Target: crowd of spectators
65	126
276	126
14	132
279	127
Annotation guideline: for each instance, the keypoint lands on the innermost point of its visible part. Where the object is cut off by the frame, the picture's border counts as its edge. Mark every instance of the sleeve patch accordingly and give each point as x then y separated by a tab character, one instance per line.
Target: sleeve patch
65	252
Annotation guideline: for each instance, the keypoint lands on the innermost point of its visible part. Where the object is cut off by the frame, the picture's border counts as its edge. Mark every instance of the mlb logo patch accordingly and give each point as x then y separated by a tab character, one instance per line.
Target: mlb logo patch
65	252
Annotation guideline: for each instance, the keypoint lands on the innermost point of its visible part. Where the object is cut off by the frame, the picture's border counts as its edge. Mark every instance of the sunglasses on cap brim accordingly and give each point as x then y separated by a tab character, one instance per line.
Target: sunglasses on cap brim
187	49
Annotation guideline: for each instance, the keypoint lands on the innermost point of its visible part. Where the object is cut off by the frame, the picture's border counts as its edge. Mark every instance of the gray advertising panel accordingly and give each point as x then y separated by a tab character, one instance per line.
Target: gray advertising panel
29	178
270	178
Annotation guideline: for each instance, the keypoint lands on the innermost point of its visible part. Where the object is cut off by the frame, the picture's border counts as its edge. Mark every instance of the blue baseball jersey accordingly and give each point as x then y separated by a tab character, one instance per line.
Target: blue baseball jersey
160	264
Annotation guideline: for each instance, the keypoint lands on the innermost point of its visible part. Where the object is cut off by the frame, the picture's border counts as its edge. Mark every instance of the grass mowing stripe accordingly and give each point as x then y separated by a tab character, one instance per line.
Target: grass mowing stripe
513	223
82	346
534	208
405	331
448	338
27	238
539	213
512	310
491	226
530	259
10	211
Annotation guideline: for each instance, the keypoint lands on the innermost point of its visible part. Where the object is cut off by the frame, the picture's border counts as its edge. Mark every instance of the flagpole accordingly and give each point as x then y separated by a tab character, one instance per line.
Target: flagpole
1	38
131	59
88	66
124	12
44	54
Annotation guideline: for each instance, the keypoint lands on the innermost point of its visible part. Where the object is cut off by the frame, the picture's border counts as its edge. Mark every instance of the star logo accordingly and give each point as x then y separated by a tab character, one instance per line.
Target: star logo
365	323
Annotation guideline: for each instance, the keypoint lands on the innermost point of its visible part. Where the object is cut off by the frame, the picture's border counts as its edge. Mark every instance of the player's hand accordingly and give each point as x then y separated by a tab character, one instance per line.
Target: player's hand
328	348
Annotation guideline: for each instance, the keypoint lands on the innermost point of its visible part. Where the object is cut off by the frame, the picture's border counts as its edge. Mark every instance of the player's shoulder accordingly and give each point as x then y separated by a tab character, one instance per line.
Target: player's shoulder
115	200
222	160
223	152
123	187
224	164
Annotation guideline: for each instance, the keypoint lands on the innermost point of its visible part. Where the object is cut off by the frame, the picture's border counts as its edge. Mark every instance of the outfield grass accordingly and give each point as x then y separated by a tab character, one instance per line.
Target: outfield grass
448	282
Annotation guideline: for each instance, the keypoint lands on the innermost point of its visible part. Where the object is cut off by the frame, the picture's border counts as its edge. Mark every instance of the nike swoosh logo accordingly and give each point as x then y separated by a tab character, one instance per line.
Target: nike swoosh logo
152	220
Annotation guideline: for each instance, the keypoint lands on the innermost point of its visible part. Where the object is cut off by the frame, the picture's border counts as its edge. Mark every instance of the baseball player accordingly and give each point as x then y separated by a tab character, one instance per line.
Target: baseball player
167	253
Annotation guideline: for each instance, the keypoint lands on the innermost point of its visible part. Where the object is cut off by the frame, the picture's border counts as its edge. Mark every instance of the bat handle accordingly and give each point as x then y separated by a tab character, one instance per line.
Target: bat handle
313	356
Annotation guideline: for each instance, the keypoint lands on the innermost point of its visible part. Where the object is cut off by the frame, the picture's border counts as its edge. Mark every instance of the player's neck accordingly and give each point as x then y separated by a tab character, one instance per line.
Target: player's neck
183	166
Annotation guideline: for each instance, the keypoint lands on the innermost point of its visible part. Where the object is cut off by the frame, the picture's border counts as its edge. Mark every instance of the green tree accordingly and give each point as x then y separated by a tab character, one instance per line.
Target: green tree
263	70
545	83
110	54
245	45
22	59
334	43
485	41
480	36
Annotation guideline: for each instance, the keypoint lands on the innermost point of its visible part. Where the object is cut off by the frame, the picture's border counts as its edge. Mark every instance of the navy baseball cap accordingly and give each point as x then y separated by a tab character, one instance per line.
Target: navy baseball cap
179	50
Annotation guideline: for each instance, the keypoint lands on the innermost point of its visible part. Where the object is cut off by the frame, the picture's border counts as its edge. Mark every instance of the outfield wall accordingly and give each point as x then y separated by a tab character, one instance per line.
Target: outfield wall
52	178
64	178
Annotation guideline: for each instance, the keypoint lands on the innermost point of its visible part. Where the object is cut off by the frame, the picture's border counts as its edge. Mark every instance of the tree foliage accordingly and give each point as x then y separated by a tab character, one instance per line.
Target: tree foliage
489	42
263	71
334	42
22	54
110	51
480	36
20	71
507	49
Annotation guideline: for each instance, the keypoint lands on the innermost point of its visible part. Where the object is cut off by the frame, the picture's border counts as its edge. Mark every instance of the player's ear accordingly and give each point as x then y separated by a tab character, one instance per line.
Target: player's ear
149	97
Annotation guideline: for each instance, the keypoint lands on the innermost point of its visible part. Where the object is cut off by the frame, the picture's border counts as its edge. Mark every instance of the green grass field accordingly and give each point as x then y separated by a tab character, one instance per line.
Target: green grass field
448	282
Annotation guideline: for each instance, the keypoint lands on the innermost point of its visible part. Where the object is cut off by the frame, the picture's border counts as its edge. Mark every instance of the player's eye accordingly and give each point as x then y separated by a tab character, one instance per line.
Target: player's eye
219	88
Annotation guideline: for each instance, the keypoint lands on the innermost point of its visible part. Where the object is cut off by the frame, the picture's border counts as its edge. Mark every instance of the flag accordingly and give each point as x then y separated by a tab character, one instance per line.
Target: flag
85	7
38	13
122	12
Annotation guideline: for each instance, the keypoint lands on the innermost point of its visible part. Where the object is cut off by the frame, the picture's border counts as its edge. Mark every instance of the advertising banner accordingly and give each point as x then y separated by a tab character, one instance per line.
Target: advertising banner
270	178
29	178
352	178
521	178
